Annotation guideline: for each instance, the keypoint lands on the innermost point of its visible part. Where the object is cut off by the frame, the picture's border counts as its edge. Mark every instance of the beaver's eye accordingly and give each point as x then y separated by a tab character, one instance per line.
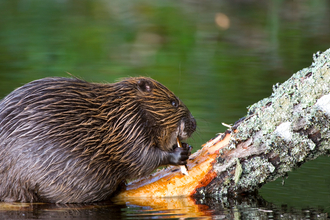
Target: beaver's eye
175	103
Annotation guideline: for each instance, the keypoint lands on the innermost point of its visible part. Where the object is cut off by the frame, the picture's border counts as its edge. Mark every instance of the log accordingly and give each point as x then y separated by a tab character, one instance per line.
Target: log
278	134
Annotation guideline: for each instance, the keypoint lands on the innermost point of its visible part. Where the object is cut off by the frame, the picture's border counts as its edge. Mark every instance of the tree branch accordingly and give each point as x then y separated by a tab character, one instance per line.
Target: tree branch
278	133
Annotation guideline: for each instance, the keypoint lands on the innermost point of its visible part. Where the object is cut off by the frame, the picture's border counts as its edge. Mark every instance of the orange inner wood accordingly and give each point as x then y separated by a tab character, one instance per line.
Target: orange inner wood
171	182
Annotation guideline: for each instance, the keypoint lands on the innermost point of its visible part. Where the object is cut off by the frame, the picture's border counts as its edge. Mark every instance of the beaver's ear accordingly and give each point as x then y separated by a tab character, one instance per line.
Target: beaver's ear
145	85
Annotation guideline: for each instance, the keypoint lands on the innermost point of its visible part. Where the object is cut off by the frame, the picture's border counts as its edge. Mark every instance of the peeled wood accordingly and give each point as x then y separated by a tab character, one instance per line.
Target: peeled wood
278	134
171	182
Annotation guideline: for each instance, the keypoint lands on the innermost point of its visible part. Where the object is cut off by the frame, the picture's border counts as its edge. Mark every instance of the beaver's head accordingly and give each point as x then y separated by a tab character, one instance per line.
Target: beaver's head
161	113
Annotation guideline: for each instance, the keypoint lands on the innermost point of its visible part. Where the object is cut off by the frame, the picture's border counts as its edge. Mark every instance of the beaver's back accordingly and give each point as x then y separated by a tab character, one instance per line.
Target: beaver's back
45	126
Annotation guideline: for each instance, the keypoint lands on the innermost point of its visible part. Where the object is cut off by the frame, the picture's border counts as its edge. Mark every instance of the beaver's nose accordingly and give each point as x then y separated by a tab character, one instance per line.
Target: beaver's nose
193	123
190	125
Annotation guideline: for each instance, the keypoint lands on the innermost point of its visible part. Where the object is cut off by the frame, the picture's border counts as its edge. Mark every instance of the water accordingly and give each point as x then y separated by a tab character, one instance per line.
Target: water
218	56
174	208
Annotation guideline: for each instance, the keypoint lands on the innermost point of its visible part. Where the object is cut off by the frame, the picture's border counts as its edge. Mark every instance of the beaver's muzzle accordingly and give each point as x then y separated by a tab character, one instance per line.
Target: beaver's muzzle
187	127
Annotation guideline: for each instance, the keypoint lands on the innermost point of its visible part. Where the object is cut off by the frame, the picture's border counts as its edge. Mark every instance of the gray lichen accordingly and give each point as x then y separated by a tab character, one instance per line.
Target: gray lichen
256	171
238	171
298	100
287	128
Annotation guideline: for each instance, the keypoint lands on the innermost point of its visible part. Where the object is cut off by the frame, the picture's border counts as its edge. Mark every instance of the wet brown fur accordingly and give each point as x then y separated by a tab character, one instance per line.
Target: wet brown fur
66	140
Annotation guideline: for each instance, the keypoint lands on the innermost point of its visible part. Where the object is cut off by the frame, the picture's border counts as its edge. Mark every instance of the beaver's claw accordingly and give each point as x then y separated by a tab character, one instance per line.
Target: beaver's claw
179	155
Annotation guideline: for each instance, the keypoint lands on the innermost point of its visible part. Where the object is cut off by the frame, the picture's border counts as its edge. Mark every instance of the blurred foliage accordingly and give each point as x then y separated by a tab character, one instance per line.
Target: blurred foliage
217	56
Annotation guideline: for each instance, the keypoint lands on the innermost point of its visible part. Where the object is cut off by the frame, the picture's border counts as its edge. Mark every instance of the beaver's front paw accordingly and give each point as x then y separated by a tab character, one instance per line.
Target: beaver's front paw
179	155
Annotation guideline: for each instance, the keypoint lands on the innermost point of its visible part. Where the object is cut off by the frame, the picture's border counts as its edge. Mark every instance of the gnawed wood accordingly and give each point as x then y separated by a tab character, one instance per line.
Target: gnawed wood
171	182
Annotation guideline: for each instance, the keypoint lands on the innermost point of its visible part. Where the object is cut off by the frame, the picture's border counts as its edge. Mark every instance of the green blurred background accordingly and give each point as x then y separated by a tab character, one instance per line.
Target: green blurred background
218	56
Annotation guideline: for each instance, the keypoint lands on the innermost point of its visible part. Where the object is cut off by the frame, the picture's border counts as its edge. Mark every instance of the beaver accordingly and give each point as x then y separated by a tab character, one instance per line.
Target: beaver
65	140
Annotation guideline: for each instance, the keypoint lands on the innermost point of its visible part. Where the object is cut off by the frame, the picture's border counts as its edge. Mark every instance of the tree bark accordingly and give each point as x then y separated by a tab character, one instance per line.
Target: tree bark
278	133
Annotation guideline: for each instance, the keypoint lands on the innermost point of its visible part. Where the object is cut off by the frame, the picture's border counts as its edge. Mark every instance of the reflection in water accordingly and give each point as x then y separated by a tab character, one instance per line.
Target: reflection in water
58	211
248	207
